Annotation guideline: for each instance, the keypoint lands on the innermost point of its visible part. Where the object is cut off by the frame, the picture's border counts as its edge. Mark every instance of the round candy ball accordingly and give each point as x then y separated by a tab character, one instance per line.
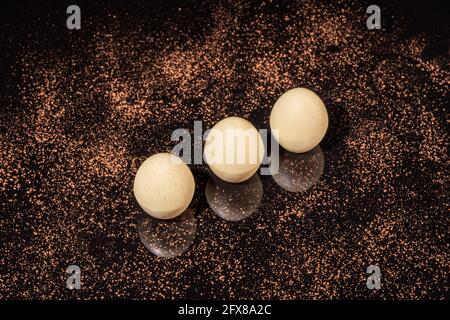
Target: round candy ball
301	119
164	186
234	149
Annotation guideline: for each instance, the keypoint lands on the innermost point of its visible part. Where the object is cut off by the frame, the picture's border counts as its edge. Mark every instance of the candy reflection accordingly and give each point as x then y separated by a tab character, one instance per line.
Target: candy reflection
234	201
168	238
299	172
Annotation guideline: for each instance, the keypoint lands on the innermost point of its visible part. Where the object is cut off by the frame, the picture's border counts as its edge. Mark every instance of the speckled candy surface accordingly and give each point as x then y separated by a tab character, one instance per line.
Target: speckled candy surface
299	120
164	186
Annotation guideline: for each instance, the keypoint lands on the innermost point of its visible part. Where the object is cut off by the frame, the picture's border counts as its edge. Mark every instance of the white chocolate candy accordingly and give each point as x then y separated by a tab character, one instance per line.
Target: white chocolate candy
164	186
301	119
234	149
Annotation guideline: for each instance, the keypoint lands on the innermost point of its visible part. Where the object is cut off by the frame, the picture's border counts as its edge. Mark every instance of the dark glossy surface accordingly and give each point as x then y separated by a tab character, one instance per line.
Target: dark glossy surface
80	110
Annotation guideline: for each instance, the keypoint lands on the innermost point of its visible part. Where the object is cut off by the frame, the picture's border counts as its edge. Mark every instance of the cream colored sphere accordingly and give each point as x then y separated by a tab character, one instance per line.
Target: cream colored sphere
301	119
234	149
164	186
